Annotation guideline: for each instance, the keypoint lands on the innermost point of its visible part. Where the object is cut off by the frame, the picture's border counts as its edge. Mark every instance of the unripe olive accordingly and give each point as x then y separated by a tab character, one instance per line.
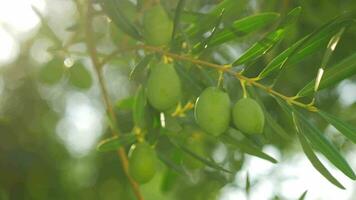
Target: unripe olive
163	87
212	111
157	26
142	163
248	116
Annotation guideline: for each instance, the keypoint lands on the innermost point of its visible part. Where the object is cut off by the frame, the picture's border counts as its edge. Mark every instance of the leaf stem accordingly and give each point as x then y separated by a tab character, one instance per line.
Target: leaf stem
98	66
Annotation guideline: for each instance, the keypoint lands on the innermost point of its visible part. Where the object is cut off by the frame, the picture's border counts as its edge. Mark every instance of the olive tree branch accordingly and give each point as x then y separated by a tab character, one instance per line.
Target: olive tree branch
226	69
98	69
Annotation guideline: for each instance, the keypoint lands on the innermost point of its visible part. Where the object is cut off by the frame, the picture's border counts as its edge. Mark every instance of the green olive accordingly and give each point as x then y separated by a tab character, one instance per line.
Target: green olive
212	111
157	26
248	116
163	87
142	163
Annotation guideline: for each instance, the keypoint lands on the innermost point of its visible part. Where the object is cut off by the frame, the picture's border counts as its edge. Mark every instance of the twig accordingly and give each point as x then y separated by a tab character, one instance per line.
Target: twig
97	65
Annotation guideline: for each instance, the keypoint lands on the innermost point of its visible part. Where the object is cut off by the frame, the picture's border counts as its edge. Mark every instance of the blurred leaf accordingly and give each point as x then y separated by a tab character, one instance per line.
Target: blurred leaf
139	68
177	17
331	47
126	103
319	142
139	108
52	71
79	76
302	197
169	180
114	143
314	159
114	10
172	124
247	147
243	27
209	163
346	129
344	69
204	43
291	17
170	163
261	47
305	46
247	184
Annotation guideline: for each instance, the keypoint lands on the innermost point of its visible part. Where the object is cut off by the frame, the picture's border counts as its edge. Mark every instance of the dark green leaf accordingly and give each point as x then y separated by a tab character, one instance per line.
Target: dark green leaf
139	68
114	143
305	46
79	76
126	103
177	17
302	197
170	163
243	27
344	69
118	15
346	129
247	184
323	145
261	47
139	107
247	147
314	159
276	127
52	72
291	17
209	163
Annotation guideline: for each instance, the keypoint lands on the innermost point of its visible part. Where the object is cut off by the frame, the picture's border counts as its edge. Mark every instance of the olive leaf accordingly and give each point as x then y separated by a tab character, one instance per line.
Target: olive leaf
139	107
248	148
115	12
346	129
139	68
52	72
243	27
114	143
313	158
209	163
320	143
303	195
306	46
177	17
126	103
79	76
344	69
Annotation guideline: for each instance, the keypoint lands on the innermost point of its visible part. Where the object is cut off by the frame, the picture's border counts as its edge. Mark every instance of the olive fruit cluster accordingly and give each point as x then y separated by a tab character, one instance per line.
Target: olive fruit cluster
143	163
212	113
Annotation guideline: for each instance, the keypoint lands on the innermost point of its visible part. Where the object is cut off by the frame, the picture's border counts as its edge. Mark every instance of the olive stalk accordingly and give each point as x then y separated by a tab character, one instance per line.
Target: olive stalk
98	69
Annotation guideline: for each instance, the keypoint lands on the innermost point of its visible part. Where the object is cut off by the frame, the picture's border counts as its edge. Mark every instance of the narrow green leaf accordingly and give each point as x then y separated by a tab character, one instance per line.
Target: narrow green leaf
204	44
346	129
243	27
114	10
171	164
139	107
177	17
261	47
140	66
302	197
247	184
344	69
305	46
113	143
291	17
209	163
248	148
323	145
314	159
79	76
126	103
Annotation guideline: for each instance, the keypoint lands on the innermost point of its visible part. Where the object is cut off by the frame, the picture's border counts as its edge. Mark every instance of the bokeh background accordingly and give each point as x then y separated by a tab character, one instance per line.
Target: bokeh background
48	134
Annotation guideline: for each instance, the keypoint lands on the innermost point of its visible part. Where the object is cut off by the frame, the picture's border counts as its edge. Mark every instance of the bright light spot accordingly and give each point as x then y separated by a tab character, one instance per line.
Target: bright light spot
68	62
81	126
9	48
18	14
347	92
